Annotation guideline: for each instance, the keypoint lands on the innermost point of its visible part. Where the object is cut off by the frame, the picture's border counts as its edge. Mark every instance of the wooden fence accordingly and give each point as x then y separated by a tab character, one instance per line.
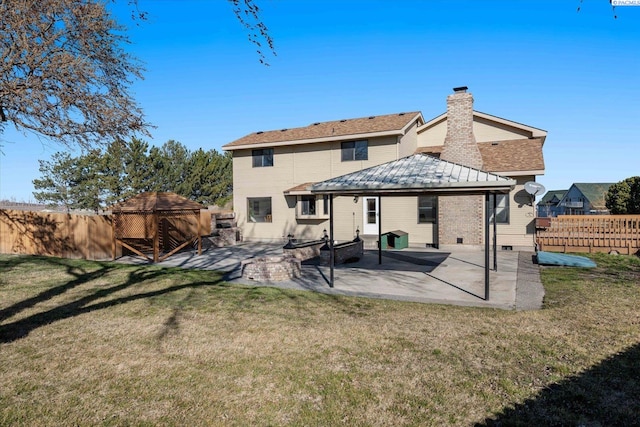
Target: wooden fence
589	233
63	235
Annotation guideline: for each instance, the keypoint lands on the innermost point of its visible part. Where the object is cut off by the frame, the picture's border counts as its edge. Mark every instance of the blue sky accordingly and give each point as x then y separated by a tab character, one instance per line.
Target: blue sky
542	63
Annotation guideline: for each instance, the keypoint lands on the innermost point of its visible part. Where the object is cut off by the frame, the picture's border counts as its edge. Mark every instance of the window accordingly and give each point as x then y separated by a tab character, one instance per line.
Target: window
325	204
502	208
262	158
259	209
312	207
308	205
355	150
427	209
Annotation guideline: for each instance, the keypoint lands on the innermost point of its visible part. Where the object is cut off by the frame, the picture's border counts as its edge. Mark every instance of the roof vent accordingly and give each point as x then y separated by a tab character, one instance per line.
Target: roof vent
259	132
494	143
284	130
402	114
372	117
460	89
343	120
316	123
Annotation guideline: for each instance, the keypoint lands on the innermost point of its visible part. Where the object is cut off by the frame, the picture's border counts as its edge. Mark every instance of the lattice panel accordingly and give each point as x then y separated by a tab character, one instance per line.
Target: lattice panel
134	225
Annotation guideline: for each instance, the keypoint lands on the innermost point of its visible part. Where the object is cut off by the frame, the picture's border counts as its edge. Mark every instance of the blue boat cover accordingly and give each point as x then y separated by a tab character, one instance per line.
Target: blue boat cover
550	258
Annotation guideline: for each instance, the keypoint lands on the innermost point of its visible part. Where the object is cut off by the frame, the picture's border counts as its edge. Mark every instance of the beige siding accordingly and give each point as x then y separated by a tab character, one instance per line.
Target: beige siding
295	165
519	233
408	142
487	131
484	131
433	136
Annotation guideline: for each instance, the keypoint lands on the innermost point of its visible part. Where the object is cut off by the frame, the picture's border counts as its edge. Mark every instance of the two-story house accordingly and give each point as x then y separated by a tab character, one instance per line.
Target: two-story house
584	198
273	171
549	205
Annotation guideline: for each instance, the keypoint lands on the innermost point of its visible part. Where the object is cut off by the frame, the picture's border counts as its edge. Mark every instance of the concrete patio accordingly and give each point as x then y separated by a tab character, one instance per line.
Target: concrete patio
413	274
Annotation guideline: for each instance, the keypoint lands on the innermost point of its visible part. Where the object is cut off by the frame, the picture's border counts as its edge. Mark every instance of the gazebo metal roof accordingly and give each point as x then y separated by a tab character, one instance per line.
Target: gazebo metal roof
418	173
414	175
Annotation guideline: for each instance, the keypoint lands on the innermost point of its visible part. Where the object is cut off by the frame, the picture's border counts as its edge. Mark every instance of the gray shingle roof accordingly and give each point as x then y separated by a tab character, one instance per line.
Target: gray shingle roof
414	174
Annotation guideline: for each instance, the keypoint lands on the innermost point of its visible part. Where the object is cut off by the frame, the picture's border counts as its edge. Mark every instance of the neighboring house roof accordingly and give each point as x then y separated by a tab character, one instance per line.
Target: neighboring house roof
530	130
552	197
390	124
156	201
415	174
506	157
594	192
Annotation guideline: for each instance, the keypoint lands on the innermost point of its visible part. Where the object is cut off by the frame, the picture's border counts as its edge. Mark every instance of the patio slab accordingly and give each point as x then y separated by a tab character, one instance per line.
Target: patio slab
413	274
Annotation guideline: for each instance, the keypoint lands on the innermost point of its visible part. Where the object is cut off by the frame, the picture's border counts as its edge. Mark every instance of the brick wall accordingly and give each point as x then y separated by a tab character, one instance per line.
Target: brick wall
460	217
460	144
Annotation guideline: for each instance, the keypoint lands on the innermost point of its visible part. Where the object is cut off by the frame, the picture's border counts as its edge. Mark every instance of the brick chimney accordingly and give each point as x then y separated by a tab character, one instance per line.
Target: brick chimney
460	145
460	217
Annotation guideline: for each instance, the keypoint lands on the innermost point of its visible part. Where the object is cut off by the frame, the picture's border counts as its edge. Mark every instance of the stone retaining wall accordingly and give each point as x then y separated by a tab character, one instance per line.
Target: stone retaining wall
271	269
303	251
343	252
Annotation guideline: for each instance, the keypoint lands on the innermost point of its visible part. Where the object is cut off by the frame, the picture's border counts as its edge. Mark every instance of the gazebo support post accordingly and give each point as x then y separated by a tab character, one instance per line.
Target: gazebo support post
487	213
199	228
113	236
379	230
156	237
331	249
495	232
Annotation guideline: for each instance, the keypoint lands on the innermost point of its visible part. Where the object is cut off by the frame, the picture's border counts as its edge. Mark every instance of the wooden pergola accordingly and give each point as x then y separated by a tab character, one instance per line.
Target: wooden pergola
155	222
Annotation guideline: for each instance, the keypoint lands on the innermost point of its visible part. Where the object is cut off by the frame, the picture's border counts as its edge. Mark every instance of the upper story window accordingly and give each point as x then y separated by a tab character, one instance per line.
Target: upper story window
355	150
262	157
427	209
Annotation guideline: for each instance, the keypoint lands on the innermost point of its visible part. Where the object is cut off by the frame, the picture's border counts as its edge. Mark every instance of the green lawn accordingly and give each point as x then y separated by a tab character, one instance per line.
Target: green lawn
90	343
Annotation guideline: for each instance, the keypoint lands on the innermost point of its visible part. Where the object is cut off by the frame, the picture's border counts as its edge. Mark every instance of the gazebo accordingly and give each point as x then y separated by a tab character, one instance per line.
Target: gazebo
156	223
415	175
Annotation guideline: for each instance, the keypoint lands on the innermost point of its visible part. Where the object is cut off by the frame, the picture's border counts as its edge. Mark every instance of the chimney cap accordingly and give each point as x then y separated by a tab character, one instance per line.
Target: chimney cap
460	89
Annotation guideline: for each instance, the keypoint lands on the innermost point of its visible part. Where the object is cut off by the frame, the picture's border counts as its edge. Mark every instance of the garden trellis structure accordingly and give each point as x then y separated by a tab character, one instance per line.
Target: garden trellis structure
155	222
415	175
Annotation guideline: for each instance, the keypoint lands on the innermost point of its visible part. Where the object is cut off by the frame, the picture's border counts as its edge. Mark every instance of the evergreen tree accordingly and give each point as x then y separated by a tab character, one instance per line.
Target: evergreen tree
624	197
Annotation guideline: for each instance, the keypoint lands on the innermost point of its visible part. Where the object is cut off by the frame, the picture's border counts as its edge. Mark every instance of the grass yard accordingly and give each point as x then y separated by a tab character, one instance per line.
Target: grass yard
90	343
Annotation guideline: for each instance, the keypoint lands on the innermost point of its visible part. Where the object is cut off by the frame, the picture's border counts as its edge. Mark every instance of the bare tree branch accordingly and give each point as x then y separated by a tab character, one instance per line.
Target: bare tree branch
65	74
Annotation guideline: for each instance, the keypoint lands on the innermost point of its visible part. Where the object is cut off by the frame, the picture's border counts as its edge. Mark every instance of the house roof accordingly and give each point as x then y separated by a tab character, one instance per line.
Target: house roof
550	195
415	174
507	157
299	189
156	201
594	192
390	124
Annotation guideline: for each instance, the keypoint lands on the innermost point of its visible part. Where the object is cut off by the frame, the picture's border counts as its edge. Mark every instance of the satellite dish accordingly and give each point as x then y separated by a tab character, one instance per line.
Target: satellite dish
534	188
